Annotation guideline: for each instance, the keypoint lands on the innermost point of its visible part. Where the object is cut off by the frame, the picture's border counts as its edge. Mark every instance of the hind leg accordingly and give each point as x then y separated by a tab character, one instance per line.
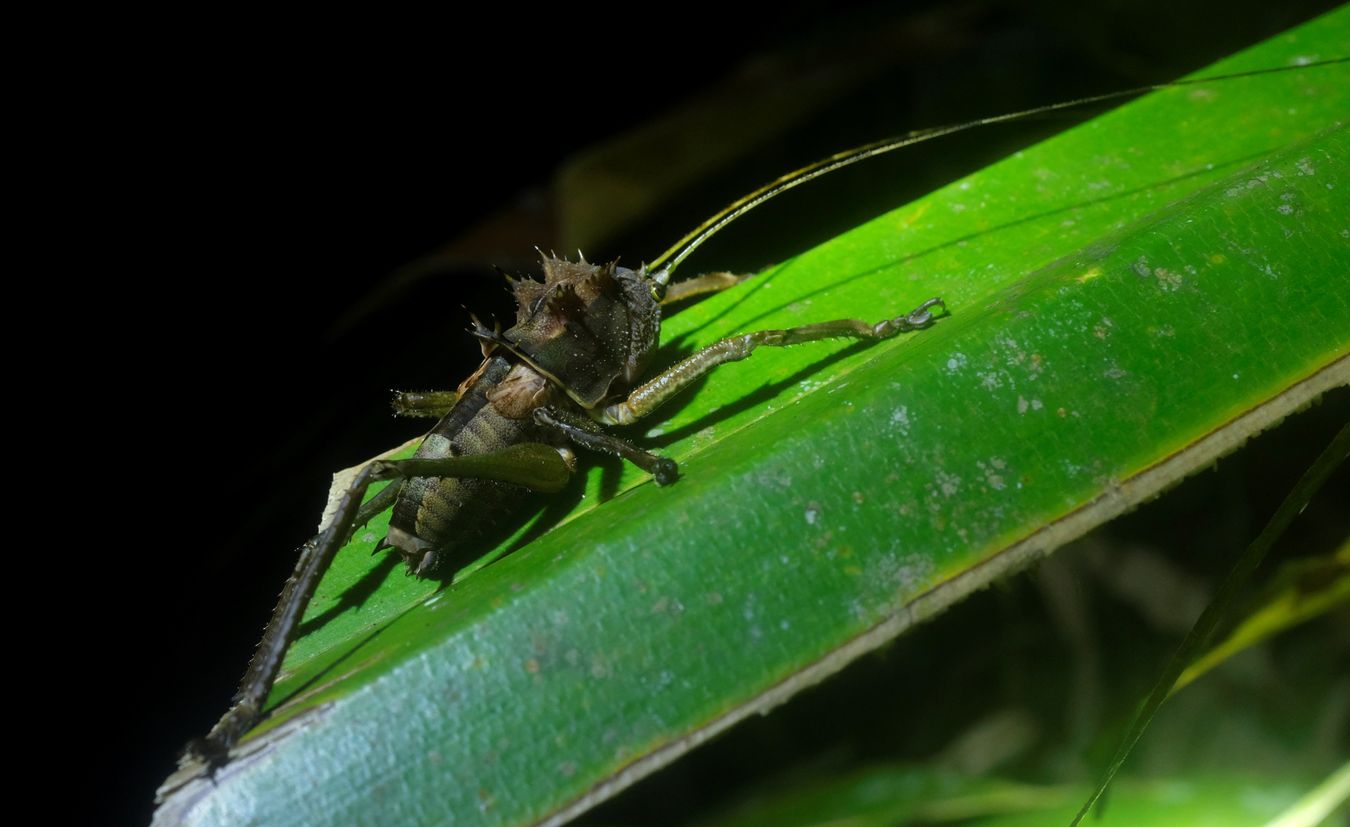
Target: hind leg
533	465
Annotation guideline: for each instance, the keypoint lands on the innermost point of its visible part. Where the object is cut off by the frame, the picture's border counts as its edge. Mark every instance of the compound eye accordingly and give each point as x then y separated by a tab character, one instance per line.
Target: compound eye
658	291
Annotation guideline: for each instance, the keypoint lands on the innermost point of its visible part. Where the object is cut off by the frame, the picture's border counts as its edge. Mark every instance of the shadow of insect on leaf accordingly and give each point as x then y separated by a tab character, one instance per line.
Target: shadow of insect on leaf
757	397
353	597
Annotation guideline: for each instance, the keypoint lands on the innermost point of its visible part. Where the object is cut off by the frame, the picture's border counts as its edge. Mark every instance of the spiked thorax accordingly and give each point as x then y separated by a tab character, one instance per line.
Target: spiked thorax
591	328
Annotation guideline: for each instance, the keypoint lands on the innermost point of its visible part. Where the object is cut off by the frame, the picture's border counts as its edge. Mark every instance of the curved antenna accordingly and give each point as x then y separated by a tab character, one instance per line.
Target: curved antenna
681	249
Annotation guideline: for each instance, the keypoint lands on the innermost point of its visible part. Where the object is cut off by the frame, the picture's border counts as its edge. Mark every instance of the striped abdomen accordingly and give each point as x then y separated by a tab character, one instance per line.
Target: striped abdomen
435	516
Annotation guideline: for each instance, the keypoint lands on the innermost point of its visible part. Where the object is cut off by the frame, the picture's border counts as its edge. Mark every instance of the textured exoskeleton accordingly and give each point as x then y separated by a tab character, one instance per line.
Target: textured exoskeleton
582	336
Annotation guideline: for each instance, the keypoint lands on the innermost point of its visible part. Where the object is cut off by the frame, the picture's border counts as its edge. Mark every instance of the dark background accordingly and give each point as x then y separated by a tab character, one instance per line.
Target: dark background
269	183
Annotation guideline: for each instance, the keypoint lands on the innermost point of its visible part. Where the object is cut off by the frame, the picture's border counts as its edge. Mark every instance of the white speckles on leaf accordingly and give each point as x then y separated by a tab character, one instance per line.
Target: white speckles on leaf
749	613
900	419
1252	183
812	513
895	576
991	469
956	361
948	483
1169	281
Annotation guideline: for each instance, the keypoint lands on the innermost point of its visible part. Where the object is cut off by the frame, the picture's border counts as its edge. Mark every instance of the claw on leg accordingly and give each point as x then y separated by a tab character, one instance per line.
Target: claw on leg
920	316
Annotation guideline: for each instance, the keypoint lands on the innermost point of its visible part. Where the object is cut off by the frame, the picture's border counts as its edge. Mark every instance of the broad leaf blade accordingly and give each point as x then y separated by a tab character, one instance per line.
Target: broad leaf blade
1129	301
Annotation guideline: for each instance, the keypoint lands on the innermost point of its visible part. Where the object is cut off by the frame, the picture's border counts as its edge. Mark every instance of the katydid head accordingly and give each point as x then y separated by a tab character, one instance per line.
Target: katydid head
591	328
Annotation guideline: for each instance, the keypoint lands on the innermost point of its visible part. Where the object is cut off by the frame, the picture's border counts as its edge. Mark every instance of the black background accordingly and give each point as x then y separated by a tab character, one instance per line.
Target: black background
254	177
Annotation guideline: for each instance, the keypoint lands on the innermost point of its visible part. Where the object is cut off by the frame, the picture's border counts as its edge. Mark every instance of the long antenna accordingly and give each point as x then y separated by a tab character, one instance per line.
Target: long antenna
695	238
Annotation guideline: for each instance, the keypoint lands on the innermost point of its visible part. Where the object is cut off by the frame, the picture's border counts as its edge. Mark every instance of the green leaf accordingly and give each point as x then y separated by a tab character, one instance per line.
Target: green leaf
1130	300
1301	592
894	796
890	796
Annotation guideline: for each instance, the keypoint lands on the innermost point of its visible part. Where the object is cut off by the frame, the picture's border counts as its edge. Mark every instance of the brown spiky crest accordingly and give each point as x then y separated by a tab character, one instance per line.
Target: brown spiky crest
578	279
588	327
561	270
